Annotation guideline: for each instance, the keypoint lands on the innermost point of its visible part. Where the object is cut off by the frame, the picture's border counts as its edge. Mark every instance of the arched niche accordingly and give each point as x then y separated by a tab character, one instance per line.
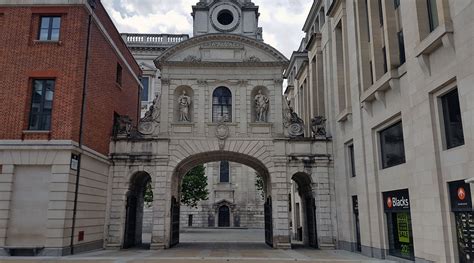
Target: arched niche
253	107
178	92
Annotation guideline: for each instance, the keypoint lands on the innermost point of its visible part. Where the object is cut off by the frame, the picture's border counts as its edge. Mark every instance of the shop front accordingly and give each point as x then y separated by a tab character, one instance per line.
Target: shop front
400	235
461	206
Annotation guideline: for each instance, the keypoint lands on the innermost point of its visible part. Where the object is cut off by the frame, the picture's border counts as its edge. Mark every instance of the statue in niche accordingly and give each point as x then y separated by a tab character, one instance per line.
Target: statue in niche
184	101
261	107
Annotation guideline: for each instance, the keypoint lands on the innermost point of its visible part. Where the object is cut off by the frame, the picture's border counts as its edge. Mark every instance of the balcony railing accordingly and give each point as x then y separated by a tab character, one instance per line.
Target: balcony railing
151	40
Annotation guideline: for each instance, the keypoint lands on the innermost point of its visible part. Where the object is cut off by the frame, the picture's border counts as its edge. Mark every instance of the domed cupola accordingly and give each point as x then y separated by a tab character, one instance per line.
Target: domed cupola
226	16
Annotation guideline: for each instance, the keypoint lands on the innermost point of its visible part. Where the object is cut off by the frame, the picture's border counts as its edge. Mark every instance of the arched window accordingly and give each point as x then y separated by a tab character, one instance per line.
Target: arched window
222	105
224	172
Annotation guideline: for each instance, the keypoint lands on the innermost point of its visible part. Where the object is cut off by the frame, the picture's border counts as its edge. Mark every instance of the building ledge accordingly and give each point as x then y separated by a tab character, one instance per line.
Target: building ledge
388	81
435	40
344	115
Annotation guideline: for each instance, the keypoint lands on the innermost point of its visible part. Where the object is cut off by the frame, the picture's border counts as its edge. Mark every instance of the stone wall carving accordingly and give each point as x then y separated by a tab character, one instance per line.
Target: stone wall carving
293	124
151	119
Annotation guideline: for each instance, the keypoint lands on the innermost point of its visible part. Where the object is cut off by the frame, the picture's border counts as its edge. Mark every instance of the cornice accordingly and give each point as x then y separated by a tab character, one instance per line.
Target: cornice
200	64
162	59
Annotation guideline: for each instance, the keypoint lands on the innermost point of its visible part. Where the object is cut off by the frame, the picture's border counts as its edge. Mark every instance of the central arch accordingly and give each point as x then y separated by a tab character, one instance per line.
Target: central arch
215	156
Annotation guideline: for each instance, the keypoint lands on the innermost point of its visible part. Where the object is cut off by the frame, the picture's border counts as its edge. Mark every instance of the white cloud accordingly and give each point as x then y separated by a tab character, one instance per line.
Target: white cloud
281	20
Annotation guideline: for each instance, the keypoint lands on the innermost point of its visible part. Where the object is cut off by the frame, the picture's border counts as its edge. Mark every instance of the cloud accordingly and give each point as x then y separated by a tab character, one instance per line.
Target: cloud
281	20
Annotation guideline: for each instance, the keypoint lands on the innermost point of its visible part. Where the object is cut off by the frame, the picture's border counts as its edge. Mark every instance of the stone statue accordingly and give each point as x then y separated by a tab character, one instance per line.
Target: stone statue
261	107
291	121
184	101
153	113
318	126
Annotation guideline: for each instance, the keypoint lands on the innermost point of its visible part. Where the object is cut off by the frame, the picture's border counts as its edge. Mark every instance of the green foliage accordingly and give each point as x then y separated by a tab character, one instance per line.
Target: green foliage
194	187
259	184
148	197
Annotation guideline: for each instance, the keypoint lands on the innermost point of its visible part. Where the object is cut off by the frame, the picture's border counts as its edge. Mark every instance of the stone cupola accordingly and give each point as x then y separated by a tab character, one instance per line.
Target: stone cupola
226	16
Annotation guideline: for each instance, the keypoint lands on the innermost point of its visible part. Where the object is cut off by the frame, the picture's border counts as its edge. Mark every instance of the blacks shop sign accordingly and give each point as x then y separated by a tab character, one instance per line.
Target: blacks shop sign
396	201
460	195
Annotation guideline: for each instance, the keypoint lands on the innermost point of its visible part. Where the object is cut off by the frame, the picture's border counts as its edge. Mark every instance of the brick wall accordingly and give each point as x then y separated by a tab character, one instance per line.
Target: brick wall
24	59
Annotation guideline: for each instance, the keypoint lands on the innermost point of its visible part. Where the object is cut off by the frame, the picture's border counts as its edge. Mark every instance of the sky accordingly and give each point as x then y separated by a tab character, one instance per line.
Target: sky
282	20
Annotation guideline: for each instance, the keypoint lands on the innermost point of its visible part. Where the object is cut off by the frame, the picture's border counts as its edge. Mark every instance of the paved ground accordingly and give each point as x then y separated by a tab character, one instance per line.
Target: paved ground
212	246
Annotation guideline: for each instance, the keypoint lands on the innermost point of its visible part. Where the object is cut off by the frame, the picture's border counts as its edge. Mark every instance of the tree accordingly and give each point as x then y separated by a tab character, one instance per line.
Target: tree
260	185
148	195
194	187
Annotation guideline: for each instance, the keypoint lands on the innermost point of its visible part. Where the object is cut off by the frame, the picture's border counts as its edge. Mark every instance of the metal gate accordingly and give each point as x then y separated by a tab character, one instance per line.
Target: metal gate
174	222
130	222
465	233
268	222
311	222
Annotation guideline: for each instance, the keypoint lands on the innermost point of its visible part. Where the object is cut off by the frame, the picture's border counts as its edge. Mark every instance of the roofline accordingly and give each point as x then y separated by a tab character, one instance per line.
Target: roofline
311	14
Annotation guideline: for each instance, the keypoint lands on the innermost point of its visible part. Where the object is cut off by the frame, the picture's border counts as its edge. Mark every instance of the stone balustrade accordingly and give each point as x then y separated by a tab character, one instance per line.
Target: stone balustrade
151	40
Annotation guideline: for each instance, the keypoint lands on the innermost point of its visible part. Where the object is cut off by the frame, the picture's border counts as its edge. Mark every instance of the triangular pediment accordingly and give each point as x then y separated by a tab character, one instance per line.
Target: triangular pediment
221	48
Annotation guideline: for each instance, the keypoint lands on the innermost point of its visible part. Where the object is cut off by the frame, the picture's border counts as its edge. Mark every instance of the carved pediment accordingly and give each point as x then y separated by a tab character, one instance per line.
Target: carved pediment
221	48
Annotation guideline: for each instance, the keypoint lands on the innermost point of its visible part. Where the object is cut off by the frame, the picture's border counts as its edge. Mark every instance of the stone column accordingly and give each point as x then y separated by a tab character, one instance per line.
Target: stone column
161	206
323	196
279	192
6	182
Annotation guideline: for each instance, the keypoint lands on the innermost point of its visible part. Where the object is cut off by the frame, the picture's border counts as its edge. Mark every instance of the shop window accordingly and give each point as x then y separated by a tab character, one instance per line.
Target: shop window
41	105
224	172
453	129
400	233
49	28
146	88
392	146
432	14
222	105
352	160
461	206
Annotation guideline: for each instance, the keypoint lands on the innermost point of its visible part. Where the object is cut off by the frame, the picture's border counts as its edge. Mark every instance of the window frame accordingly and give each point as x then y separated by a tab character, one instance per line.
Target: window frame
351	159
220	106
119	75
444	111
42	126
221	164
432	14
146	90
50	28
382	150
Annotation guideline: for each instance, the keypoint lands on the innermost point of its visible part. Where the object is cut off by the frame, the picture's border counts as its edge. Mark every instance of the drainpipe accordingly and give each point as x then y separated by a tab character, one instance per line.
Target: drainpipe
81	130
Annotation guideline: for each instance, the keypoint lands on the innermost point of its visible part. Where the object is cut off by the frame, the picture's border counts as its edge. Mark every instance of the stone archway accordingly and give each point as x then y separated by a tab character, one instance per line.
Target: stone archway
305	191
134	210
223	209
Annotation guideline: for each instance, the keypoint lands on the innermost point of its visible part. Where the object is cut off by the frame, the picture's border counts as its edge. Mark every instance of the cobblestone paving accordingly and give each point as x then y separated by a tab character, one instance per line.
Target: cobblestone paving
213	246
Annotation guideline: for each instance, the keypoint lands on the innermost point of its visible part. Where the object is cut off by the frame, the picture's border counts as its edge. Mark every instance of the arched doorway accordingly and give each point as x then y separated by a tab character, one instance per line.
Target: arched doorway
224	216
225	212
135	204
304	211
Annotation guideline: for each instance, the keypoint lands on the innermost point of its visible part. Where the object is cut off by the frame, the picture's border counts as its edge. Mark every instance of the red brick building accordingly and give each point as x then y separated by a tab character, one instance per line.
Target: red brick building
65	72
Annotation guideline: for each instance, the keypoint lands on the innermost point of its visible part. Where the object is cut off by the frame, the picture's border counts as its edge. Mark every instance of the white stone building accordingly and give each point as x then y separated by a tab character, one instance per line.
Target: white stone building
394	79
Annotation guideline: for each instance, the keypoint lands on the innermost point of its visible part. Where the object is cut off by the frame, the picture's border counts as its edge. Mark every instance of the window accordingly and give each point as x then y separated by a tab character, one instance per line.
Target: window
392	146
224	172
371	73
352	160
322	17
222	105
385	66
396	3
432	14
41	105
49	28
146	86
401	47
453	130
367	19
380	13
118	77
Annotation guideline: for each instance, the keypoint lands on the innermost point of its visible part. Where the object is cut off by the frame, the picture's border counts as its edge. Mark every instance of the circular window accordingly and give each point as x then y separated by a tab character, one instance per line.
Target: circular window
225	17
